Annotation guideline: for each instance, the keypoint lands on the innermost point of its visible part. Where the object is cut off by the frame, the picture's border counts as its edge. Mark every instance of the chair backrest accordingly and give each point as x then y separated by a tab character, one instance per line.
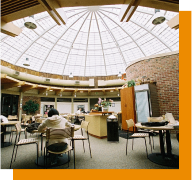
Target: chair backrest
52	133
155	119
18	128
84	125
23	118
170	118
39	120
45	115
12	117
130	123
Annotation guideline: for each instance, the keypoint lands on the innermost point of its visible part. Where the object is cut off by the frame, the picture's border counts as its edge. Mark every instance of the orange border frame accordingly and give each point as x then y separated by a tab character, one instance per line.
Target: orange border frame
184	171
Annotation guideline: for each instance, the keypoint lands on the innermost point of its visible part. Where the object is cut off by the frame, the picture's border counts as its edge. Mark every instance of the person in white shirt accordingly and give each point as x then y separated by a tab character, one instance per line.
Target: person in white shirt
3	119
76	117
58	122
78	111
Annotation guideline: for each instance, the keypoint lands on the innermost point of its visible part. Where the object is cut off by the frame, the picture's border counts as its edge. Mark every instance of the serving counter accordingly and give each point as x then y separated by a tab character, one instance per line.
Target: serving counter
97	125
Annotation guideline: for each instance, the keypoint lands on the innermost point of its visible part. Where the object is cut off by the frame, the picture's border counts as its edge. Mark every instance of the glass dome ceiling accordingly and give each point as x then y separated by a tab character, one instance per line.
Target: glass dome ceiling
92	43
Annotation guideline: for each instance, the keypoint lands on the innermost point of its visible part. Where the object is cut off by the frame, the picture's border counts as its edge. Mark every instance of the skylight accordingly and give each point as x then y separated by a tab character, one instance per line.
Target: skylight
92	43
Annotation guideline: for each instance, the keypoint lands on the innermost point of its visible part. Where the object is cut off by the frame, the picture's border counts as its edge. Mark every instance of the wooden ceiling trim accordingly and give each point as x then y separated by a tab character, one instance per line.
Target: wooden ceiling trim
171	1
14	7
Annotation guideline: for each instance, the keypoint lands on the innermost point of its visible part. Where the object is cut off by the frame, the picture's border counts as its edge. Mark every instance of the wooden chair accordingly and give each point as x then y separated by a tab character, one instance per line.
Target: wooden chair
21	130
0	134
20	142
58	134
24	121
130	123
84	125
11	117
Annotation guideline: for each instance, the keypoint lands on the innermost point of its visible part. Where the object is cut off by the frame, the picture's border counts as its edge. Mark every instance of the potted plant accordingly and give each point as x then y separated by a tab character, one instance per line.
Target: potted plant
105	104
129	84
31	107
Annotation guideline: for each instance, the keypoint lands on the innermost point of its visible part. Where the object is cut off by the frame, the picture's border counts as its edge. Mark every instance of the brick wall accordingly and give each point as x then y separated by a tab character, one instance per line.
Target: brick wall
165	71
33	98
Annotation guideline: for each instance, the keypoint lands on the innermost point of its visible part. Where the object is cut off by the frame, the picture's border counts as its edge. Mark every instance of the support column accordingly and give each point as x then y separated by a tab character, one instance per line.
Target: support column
72	107
56	103
0	97
88	105
20	105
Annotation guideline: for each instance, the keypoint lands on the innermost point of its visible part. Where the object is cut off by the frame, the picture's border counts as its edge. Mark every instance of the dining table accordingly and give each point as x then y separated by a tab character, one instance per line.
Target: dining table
62	159
165	158
3	129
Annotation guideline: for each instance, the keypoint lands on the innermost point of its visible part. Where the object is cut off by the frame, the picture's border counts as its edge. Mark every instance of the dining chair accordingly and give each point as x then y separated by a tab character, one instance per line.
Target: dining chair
0	134
24	121
15	130
58	134
20	142
130	123
84	125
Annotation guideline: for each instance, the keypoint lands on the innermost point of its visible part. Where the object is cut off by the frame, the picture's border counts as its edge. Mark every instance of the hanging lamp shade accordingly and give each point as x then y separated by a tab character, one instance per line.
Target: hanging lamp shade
70	75
30	22
119	75
158	18
26	63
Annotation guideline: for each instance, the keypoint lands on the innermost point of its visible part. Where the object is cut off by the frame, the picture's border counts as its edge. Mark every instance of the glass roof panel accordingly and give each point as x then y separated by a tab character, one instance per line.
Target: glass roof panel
92	43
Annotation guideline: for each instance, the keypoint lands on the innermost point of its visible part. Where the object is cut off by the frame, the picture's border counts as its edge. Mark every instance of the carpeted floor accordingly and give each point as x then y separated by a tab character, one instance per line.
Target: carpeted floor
105	155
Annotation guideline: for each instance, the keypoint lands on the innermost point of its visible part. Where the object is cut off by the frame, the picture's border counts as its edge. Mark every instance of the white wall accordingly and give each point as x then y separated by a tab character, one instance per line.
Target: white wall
117	107
65	107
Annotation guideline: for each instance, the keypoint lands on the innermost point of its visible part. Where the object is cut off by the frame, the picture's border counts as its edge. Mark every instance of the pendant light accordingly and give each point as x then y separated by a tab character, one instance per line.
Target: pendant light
30	22
158	18
26	63
119	75
70	75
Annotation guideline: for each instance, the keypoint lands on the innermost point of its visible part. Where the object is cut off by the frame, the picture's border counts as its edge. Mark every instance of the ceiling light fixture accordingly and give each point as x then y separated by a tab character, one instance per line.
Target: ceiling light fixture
119	75
26	63
30	22
71	75
158	17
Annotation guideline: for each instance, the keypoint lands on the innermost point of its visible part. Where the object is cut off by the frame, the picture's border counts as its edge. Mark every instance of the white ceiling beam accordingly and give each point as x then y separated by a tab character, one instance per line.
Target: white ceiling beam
101	44
74	40
87	43
127	10
10	29
126	33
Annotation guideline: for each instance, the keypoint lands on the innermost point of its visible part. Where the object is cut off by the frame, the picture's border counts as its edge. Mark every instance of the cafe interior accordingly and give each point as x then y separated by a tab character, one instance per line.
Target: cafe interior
111	70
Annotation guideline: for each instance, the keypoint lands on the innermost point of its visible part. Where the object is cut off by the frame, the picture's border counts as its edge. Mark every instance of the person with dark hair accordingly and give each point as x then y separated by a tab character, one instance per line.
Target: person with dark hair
57	122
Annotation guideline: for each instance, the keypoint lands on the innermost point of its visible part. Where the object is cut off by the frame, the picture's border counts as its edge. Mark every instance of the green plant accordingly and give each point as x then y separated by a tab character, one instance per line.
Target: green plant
31	107
106	103
131	83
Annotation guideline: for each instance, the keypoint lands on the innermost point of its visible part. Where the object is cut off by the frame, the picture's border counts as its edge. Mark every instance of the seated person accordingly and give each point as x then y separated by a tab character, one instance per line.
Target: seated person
76	117
78	111
55	121
3	119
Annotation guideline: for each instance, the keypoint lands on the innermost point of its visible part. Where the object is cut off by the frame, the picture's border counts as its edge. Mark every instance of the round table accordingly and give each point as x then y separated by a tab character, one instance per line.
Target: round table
162	158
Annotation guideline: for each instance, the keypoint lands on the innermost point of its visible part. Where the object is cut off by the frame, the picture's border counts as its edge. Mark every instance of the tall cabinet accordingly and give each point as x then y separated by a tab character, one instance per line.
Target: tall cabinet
128	106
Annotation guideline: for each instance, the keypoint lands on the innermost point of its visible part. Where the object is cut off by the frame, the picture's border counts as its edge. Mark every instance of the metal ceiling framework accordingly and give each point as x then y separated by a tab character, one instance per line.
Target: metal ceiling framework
86	13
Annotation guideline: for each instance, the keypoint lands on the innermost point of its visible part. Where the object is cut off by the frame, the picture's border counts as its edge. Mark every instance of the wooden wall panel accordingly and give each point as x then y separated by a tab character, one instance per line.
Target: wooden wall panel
128	106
